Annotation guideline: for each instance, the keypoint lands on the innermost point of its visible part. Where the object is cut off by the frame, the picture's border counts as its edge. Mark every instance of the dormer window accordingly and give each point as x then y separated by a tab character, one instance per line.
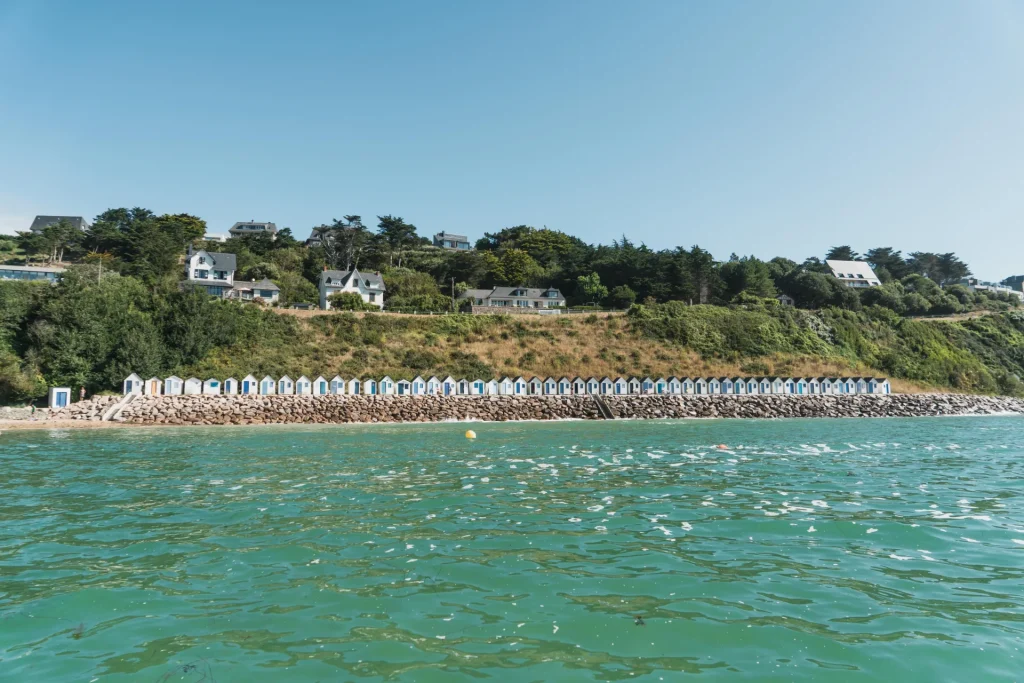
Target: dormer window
202	260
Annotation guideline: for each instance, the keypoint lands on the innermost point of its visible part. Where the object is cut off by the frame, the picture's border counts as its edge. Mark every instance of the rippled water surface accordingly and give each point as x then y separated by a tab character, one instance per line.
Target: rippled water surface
803	550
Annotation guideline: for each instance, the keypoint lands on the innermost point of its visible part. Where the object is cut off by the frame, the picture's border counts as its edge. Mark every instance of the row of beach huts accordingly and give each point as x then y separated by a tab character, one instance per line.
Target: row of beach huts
518	386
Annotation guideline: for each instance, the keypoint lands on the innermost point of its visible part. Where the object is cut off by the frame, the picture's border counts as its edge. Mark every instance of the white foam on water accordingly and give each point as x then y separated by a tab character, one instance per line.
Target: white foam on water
969	540
899	557
872	530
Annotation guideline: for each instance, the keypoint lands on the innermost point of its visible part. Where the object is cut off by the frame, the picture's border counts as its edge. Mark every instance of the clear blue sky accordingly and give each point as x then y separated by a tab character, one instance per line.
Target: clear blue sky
771	128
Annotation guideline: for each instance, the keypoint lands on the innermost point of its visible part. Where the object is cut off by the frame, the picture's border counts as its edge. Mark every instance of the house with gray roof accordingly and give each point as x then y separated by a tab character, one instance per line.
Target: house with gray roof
42	222
253	228
264	290
514	300
369	286
448	240
213	271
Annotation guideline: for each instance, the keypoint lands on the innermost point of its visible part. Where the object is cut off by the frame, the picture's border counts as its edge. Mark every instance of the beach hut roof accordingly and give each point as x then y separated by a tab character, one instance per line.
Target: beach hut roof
417	378
433	378
247	378
386	378
153	378
320	378
133	376
231	379
174	377
520	379
286	377
193	379
303	378
633	379
449	378
606	379
267	377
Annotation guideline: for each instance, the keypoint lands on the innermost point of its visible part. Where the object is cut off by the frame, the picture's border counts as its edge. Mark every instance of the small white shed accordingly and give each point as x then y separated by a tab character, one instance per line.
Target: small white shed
433	386
303	386
370	387
212	387
193	385
268	386
535	386
321	386
231	386
386	387
173	386
132	384
285	385
353	388
448	386
249	385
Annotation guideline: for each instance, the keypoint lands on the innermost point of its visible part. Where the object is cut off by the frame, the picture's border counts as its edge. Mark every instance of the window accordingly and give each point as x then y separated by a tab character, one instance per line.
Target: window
201	274
373	297
202	259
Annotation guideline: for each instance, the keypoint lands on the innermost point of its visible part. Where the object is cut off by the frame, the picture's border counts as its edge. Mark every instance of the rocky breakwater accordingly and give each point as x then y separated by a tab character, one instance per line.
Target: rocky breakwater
782	406
91	410
210	410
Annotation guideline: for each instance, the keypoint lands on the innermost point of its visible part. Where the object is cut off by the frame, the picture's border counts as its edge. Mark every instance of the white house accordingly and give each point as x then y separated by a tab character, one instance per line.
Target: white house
661	386
519	386
132	384
778	385
433	386
550	386
320	386
789	385
353	387
173	386
231	386
621	386
854	273
403	387
674	385
463	388
386	387
689	386
369	286
303	386
753	387
700	385
535	386
647	386
765	385
210	270
285	385
862	385
827	385
633	385
448	386
370	387
565	386
607	386
714	385
419	386
813	385
478	387
505	386
879	386
493	387
211	387
193	385
593	385
338	386
152	386
801	385
249	385
268	386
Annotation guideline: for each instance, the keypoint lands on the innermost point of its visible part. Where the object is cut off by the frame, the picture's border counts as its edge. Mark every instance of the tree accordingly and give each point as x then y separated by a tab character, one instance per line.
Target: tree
60	236
749	275
343	242
397	235
888	259
514	267
843	253
621	297
589	288
348	301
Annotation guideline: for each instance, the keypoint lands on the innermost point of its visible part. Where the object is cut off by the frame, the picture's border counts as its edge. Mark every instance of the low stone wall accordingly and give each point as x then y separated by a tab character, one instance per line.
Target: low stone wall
210	410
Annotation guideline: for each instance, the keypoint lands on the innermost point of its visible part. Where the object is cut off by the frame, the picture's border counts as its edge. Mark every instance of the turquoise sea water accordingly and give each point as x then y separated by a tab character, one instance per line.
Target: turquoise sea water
805	550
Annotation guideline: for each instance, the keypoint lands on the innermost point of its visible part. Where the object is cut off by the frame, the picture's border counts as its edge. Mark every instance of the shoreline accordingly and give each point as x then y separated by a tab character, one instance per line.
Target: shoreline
199	410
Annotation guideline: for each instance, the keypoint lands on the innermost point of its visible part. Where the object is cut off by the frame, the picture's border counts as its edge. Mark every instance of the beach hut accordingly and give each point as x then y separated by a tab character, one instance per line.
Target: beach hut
132	384
621	386
448	386
303	386
813	385
403	387
463	387
844	385
724	385
778	385
689	385
59	397
826	385
550	386
877	385
268	386
862	385
477	387
647	386
353	387
714	385
320	386
607	386
337	386
249	385
433	386
675	385
535	387
419	386
739	385
369	387
564	386
193	385
801	385
152	386
661	386
700	386
592	385
764	385
493	387
519	386
386	387
505	386
789	385
231	386
633	385
211	387
752	386
286	385
173	386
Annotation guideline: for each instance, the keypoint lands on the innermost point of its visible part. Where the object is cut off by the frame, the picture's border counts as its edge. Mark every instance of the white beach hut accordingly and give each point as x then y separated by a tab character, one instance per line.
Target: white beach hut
519	386
321	386
764	385
268	386
493	387
675	385
689	385
878	385
173	386
338	386
403	387
369	387
724	385
448	386
801	386
752	385
826	385
700	386
505	386
386	387
463	388
550	386
661	386
862	385
249	385
211	387
633	386
132	384
193	385
620	387
535	387
564	386
152	386
813	385
778	385
477	387
286	385
353	387
419	386
433	386
231	386
647	386
303	386
607	386
739	385
593	385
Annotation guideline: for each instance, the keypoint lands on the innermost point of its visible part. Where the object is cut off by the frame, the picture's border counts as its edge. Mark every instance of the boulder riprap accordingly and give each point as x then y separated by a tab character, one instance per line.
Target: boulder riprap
293	409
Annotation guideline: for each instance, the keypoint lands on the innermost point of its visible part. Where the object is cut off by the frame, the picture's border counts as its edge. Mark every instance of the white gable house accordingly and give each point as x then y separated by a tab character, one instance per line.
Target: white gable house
210	270
369	286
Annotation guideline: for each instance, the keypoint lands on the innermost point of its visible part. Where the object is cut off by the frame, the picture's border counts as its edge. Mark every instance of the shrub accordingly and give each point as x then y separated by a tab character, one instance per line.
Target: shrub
349	301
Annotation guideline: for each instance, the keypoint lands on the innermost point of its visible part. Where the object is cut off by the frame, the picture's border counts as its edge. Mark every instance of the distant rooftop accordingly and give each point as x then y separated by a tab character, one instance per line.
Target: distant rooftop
253	228
42	222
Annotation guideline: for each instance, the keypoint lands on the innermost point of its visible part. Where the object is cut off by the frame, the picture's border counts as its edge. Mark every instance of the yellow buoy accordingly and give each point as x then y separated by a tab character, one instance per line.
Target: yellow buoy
470	434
